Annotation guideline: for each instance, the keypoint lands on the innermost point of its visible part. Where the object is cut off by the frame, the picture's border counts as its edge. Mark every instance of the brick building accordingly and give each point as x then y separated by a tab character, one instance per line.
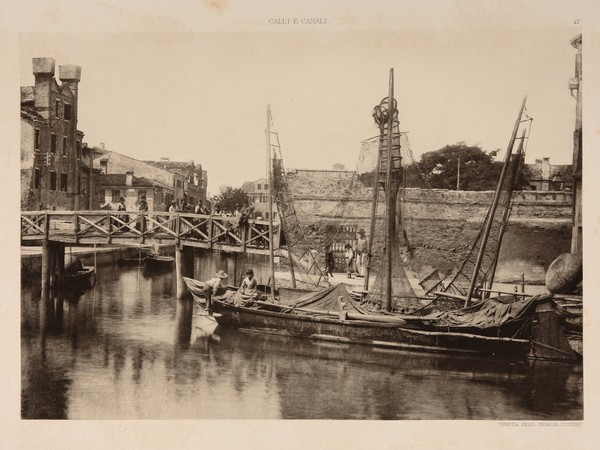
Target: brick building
56	173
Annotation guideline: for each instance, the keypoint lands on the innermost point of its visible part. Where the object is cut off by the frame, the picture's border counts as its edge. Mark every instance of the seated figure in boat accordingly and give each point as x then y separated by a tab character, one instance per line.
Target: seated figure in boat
249	285
74	267
214	287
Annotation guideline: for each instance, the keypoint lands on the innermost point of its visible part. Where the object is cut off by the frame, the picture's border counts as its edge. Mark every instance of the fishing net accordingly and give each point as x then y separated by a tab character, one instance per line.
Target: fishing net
391	288
496	219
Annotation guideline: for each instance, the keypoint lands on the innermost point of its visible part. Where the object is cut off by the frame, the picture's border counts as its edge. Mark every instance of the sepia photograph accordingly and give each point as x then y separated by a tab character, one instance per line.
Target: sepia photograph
307	213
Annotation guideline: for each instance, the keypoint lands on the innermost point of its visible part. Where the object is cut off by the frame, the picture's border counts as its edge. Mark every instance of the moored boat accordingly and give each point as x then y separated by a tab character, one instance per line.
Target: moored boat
80	278
158	262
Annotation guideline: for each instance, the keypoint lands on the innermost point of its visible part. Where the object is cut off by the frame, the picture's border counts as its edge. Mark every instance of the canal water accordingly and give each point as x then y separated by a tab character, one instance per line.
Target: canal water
128	349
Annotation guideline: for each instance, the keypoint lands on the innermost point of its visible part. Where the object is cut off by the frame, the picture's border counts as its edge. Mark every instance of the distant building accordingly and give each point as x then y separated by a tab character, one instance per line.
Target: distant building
195	179
544	176
131	188
56	173
339	166
112	163
258	193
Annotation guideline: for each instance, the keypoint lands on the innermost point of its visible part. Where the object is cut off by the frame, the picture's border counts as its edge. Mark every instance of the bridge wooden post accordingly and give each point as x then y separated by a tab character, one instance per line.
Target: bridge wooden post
60	263
45	269
182	268
210	232
76	226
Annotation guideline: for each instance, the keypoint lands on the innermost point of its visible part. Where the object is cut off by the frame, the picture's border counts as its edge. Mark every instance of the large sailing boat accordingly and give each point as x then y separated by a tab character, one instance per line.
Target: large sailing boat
528	327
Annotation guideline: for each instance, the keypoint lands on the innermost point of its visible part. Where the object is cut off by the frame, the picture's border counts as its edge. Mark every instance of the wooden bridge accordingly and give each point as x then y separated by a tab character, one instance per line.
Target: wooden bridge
56	229
132	229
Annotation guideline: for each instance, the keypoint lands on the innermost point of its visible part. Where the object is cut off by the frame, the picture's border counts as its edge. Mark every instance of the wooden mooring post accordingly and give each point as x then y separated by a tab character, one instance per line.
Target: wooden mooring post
184	267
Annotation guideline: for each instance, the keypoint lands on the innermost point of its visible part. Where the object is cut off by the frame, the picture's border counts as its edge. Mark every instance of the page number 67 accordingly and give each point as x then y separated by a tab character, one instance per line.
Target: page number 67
576	21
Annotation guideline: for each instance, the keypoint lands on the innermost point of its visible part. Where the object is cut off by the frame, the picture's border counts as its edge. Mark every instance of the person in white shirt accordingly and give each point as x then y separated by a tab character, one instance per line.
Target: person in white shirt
211	286
249	284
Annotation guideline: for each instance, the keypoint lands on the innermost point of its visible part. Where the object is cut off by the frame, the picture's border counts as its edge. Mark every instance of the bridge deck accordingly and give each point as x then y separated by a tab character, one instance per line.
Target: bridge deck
135	228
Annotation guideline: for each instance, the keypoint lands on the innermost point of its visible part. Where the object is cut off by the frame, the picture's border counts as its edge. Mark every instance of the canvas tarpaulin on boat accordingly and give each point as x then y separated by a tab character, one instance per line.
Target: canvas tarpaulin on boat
487	314
329	300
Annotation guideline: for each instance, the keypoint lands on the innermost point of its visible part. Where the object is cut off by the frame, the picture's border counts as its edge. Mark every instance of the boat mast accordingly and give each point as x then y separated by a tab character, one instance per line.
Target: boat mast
512	182
373	212
269	183
490	218
389	197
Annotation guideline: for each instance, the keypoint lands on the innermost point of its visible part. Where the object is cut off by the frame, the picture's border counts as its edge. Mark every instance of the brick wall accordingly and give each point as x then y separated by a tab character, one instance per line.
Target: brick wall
440	224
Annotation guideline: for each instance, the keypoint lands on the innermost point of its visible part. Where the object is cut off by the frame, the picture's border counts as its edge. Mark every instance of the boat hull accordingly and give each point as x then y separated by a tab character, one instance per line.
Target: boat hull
367	332
82	278
158	262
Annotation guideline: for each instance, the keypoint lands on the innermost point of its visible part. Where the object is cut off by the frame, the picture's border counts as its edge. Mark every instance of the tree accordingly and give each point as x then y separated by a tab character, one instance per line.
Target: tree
230	198
479	171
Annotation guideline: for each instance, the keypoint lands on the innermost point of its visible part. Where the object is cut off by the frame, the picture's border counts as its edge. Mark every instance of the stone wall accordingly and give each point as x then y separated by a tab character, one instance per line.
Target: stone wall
440	224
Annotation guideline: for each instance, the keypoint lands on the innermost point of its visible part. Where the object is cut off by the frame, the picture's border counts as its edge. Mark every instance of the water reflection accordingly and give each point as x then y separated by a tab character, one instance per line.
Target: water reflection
128	349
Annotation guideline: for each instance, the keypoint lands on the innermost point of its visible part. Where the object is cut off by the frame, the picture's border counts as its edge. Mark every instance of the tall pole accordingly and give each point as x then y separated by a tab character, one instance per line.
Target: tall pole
373	211
390	217
269	183
492	212
458	175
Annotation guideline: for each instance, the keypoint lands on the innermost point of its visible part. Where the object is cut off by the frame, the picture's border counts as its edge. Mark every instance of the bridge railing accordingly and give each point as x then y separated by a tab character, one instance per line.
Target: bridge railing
128	227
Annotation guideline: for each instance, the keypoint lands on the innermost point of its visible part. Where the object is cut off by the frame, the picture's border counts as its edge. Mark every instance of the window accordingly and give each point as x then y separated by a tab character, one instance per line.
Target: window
258	186
266	187
116	193
102	194
52	181
64	147
67	112
63	182
57	108
83	184
36	178
178	183
140	193
52	143
78	149
37	139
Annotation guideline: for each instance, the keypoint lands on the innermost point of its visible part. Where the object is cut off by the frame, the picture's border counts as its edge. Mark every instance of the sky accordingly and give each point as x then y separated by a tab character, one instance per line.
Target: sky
202	94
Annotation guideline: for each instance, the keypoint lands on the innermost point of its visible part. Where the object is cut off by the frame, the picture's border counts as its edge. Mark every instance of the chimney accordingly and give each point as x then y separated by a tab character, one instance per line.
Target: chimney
546	169
129	178
43	71
70	75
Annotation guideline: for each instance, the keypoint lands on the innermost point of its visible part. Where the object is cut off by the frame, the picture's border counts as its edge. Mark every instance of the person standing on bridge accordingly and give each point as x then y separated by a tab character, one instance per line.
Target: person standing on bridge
123	217
142	207
212	287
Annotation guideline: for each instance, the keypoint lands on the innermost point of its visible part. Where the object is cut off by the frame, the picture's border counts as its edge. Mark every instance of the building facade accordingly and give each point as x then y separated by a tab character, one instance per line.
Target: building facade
195	180
258	194
544	176
113	163
56	174
131	188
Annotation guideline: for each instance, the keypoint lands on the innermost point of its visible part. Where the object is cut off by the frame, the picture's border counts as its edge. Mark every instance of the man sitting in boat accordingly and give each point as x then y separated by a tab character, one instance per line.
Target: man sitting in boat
213	287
